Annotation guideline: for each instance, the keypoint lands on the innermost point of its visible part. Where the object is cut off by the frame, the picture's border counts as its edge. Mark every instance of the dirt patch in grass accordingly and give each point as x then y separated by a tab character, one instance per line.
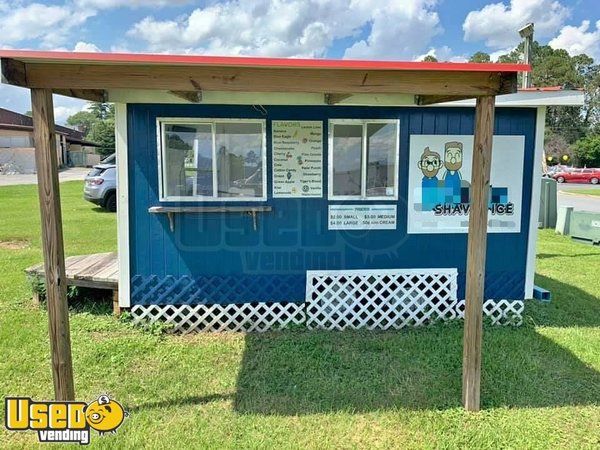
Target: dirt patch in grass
14	244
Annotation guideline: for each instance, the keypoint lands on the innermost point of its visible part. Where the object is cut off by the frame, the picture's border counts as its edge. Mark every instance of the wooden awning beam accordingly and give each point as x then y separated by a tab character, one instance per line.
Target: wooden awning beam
89	76
332	99
93	95
190	96
15	72
425	100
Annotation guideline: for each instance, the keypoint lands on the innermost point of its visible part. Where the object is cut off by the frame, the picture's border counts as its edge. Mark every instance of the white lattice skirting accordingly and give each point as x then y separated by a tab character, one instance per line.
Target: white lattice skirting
379	299
337	300
244	317
502	312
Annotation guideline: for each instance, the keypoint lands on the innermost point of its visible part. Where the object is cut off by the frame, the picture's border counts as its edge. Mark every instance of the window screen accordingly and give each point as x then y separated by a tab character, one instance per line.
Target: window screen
239	159
347	159
213	160
187	160
364	159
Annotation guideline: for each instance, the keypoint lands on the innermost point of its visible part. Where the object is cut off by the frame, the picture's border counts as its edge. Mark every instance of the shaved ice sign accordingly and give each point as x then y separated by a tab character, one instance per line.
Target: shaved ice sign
439	192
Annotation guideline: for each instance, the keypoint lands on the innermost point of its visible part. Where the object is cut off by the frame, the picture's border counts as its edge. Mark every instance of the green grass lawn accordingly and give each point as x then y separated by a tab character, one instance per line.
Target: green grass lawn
297	389
584	191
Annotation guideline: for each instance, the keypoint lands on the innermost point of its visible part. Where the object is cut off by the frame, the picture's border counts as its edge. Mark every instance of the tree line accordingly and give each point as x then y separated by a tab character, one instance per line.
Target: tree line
97	123
572	132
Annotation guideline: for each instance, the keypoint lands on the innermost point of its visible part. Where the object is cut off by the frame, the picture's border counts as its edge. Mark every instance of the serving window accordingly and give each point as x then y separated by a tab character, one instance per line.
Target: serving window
363	159
212	159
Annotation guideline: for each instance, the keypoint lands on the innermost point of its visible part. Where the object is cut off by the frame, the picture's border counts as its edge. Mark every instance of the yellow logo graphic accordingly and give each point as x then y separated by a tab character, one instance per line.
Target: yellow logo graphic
64	421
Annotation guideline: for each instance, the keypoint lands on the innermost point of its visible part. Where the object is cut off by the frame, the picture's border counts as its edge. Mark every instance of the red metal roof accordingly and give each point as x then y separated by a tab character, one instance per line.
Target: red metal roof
246	61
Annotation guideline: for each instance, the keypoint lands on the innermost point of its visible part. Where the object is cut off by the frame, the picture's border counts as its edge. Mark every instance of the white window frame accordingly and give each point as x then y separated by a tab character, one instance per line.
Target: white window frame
161	145
363	171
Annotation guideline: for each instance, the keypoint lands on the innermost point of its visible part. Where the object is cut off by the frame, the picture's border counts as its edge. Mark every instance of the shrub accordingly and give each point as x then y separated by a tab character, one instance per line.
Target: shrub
587	151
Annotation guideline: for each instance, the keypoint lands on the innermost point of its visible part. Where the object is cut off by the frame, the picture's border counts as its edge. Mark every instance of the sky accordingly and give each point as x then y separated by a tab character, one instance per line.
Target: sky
451	30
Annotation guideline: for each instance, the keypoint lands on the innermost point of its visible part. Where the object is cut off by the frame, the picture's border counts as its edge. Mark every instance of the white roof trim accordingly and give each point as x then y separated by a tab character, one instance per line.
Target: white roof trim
520	99
531	98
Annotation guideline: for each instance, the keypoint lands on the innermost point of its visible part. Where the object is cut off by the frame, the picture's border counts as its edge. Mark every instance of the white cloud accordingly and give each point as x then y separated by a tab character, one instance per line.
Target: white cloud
443	53
578	40
19	99
398	30
497	24
295	28
498	53
110	4
64	107
51	24
14	98
86	47
62	113
121	48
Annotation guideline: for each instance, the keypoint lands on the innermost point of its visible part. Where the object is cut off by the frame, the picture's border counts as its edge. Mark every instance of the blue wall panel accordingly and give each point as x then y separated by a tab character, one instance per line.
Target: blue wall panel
219	258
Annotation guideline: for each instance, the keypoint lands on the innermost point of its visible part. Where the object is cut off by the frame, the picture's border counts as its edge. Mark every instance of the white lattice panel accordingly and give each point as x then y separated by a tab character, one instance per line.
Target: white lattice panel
502	312
379	299
242	317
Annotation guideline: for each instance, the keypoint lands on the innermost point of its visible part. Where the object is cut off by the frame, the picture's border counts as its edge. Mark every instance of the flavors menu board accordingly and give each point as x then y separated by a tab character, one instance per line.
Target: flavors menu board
297	158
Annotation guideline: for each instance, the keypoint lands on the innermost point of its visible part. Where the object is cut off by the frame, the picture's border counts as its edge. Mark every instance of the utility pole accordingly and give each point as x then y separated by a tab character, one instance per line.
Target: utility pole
527	34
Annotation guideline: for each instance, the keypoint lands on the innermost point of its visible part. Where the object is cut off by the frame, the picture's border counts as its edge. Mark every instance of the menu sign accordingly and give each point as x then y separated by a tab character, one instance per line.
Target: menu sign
362	217
297	158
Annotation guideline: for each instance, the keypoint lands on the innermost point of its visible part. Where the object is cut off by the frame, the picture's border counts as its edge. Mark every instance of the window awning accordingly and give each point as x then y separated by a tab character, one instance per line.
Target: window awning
91	75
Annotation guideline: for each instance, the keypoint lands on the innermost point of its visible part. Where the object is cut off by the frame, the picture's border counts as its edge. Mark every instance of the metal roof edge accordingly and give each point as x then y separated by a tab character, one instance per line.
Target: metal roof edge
249	61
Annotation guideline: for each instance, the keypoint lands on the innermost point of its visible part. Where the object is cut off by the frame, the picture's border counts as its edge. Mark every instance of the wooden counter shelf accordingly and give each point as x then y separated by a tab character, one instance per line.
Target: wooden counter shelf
170	211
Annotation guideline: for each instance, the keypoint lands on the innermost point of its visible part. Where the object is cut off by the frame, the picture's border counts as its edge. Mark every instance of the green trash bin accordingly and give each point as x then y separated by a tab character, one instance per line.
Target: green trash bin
585	227
547	216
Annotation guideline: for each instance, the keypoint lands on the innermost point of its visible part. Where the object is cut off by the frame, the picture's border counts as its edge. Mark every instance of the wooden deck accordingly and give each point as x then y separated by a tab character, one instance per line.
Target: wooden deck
100	270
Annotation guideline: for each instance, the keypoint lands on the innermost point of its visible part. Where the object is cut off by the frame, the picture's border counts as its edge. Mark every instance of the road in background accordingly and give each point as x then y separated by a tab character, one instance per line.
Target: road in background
70	174
579	202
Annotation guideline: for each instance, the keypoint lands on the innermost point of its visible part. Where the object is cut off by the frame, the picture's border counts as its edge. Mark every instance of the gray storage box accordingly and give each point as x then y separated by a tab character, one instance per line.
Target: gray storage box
585	227
563	220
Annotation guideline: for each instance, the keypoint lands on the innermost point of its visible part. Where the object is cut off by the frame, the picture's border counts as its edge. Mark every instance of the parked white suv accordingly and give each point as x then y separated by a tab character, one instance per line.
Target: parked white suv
101	185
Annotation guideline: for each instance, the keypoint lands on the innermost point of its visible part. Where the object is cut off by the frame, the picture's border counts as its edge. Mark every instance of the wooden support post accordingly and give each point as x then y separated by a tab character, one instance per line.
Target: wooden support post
52	243
477	240
115	302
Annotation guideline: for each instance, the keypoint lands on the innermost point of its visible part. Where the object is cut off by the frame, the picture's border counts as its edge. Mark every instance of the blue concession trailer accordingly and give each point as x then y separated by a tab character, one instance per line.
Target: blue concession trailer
255	193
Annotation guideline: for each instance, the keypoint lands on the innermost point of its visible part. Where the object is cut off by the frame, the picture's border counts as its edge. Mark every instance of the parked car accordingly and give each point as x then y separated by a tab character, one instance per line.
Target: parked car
578	176
101	186
555	169
110	159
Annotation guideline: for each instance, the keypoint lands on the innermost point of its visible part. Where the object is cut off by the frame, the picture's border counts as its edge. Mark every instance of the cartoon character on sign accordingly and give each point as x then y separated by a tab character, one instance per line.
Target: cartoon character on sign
453	159
430	164
105	415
